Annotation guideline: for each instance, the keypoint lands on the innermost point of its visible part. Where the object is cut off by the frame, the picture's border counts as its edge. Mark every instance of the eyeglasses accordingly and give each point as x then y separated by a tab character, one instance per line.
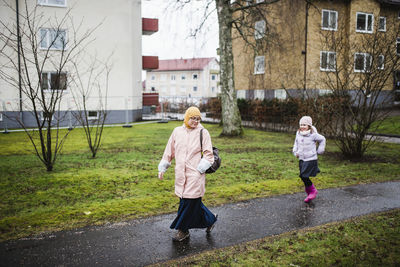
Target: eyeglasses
195	118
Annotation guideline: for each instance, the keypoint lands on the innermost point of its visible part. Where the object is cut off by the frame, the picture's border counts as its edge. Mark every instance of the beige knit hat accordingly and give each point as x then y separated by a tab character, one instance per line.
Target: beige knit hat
306	120
191	112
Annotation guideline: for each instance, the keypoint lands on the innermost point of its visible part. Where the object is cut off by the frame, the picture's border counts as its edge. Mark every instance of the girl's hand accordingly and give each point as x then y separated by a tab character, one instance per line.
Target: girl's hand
160	175
297	155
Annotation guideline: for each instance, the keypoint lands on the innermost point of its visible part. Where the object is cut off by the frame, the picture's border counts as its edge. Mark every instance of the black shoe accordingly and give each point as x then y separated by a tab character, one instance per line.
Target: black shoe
210	228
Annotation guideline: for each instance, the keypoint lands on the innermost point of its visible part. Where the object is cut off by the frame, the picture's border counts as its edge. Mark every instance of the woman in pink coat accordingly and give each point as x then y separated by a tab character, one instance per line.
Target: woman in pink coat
190	168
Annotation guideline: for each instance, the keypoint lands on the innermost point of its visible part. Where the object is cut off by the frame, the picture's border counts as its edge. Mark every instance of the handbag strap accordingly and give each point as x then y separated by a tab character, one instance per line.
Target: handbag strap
201	141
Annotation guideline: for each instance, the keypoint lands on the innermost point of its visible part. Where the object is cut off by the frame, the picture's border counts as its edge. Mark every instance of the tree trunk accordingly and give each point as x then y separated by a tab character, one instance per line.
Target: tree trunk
49	167
232	124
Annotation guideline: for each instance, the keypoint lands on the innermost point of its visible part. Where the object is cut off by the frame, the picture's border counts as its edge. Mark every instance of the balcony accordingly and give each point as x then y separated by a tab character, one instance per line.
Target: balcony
150	99
149	26
149	62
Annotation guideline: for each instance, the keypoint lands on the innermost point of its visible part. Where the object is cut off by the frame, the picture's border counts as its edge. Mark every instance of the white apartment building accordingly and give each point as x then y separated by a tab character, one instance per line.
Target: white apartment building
184	79
118	36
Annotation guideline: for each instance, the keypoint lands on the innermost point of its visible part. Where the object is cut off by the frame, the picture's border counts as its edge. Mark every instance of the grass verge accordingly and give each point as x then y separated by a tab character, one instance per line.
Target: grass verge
372	240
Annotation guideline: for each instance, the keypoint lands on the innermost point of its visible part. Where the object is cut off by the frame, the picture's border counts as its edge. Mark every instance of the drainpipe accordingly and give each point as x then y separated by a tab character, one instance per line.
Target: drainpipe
19	62
305	49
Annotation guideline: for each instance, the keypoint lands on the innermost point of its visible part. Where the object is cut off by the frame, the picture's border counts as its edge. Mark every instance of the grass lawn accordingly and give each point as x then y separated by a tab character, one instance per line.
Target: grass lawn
372	240
390	125
121	183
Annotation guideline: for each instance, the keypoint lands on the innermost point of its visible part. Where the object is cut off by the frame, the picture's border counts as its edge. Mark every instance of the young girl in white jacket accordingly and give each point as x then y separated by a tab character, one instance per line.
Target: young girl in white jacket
305	149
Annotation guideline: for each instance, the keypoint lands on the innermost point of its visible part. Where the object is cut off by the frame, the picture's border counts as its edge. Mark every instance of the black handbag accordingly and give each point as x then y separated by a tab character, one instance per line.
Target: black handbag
217	159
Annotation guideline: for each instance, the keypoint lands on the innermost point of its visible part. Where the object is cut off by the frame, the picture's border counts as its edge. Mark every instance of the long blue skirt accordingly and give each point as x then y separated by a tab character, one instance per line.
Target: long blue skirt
192	214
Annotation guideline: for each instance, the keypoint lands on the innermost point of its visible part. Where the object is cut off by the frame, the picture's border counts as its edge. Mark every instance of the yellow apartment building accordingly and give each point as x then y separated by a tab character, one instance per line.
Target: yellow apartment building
292	49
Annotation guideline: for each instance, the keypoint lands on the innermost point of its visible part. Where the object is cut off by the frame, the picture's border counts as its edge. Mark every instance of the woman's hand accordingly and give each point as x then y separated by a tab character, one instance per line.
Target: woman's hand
160	175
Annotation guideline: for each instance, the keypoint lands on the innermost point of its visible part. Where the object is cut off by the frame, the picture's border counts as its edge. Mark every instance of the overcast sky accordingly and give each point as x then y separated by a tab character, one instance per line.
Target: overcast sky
174	27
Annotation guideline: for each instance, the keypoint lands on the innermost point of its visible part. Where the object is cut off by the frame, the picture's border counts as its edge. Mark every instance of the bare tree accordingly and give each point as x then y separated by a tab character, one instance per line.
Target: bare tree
90	96
38	43
238	16
361	82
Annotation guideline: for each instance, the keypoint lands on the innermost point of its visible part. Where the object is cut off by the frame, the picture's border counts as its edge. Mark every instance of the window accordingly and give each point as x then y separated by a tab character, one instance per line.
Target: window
46	116
381	62
241	94
382	24
329	20
362	62
153	88
164	90
365	22
396	97
324	91
54	81
60	3
259	65
194	88
327	61
183	77
163	77
259	94
259	29
213	89
153	77
280	94
173	90
183	89
259	1
398	46
173	77
195	77
93	115
53	39
213	77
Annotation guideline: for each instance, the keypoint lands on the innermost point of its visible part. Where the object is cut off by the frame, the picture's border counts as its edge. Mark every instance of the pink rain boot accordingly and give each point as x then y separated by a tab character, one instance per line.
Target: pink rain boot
311	192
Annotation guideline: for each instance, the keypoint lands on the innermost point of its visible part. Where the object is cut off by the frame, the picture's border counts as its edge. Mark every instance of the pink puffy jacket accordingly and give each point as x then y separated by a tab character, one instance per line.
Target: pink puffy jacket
184	146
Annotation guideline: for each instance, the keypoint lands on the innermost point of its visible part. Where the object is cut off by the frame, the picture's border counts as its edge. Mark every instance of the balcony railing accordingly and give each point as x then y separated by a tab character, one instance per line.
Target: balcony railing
150	62
149	26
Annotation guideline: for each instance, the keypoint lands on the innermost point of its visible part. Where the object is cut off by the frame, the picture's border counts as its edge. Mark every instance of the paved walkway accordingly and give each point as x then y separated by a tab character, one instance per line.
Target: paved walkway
388	139
146	241
105	125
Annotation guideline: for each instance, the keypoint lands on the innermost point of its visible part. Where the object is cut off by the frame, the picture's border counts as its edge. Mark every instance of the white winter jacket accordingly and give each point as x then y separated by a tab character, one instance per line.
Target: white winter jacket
306	145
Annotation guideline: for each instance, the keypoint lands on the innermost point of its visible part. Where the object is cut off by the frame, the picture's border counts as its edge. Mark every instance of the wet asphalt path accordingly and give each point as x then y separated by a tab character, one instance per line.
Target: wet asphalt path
146	241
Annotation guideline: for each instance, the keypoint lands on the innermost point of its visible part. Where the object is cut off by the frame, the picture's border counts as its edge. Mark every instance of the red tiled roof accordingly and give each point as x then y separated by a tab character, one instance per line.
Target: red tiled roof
183	64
